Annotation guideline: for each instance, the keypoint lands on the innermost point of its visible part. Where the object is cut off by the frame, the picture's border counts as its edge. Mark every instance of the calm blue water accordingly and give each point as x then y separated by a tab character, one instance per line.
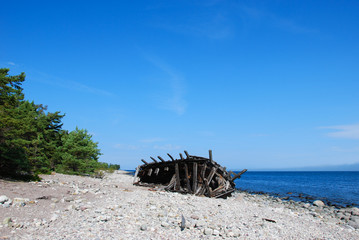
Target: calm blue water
335	188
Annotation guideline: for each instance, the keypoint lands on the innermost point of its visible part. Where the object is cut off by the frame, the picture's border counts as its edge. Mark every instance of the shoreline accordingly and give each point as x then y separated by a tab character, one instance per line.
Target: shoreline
77	207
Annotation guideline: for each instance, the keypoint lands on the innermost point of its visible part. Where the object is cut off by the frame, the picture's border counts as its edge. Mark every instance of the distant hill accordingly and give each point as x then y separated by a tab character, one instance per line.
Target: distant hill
344	167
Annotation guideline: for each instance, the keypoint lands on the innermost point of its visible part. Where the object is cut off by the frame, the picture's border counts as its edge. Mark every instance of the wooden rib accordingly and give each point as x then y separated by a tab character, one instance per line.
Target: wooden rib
144	161
208	190
149	172
194	178
159	157
154	159
178	181
203	171
210	176
172	182
188	156
157	170
210	155
136	173
170	156
181	156
187	178
238	175
225	193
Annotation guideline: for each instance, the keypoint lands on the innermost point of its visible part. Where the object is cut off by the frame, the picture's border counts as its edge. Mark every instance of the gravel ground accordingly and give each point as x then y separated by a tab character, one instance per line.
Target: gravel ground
74	207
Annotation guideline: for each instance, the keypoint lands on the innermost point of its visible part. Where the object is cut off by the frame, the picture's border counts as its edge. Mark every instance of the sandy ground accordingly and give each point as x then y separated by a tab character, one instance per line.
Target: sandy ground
75	207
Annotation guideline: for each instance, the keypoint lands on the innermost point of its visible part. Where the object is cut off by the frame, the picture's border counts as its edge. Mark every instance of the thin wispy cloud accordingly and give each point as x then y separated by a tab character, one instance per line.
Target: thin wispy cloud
344	131
151	140
267	17
167	147
215	27
11	63
127	147
175	101
71	85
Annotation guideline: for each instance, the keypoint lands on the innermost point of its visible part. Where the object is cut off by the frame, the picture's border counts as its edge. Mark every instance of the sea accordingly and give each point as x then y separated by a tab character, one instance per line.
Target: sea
339	189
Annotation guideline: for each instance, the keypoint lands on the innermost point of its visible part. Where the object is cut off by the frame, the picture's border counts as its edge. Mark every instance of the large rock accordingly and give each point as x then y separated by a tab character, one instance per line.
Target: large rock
3	199
20	201
354	222
318	203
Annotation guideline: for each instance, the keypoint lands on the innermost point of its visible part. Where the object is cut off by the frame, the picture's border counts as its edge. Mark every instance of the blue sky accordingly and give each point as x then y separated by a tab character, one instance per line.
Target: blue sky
264	84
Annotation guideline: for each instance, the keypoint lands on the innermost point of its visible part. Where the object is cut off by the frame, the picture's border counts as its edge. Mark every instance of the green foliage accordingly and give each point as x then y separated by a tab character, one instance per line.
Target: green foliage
78	152
32	140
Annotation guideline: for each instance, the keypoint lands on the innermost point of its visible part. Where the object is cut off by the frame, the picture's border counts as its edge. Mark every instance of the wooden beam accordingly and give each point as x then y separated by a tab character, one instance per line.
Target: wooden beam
136	173
181	156
188	156
203	170
211	174
187	178
170	156
225	193
194	177
210	155
238	175
171	183
178	180
154	159
144	161
160	159
208	190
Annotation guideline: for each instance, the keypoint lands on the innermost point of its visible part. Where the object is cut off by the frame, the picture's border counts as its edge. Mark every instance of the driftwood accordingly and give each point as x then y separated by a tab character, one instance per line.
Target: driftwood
194	175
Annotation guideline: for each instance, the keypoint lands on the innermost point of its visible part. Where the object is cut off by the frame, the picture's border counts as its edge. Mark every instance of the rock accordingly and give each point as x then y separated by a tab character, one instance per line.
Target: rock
143	227
54	217
7	221
20	201
195	217
165	224
208	231
183	223
3	199
355	211
318	203
215	232
354	223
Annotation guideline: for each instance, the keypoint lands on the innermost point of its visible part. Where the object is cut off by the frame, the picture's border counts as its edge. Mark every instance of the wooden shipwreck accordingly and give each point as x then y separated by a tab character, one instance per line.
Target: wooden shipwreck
193	175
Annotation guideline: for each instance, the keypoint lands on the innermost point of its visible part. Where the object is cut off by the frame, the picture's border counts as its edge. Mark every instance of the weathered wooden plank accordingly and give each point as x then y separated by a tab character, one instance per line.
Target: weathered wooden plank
144	161
211	174
178	180
207	191
238	175
194	177
154	159
170	156
171	183
159	157
187	178
225	194
203	170
136	173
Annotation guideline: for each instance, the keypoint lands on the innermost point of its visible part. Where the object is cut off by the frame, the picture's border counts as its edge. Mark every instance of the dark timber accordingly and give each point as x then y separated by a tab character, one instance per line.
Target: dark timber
195	175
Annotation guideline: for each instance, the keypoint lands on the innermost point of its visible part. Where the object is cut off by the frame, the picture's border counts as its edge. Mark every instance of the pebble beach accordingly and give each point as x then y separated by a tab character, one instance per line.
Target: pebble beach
77	207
